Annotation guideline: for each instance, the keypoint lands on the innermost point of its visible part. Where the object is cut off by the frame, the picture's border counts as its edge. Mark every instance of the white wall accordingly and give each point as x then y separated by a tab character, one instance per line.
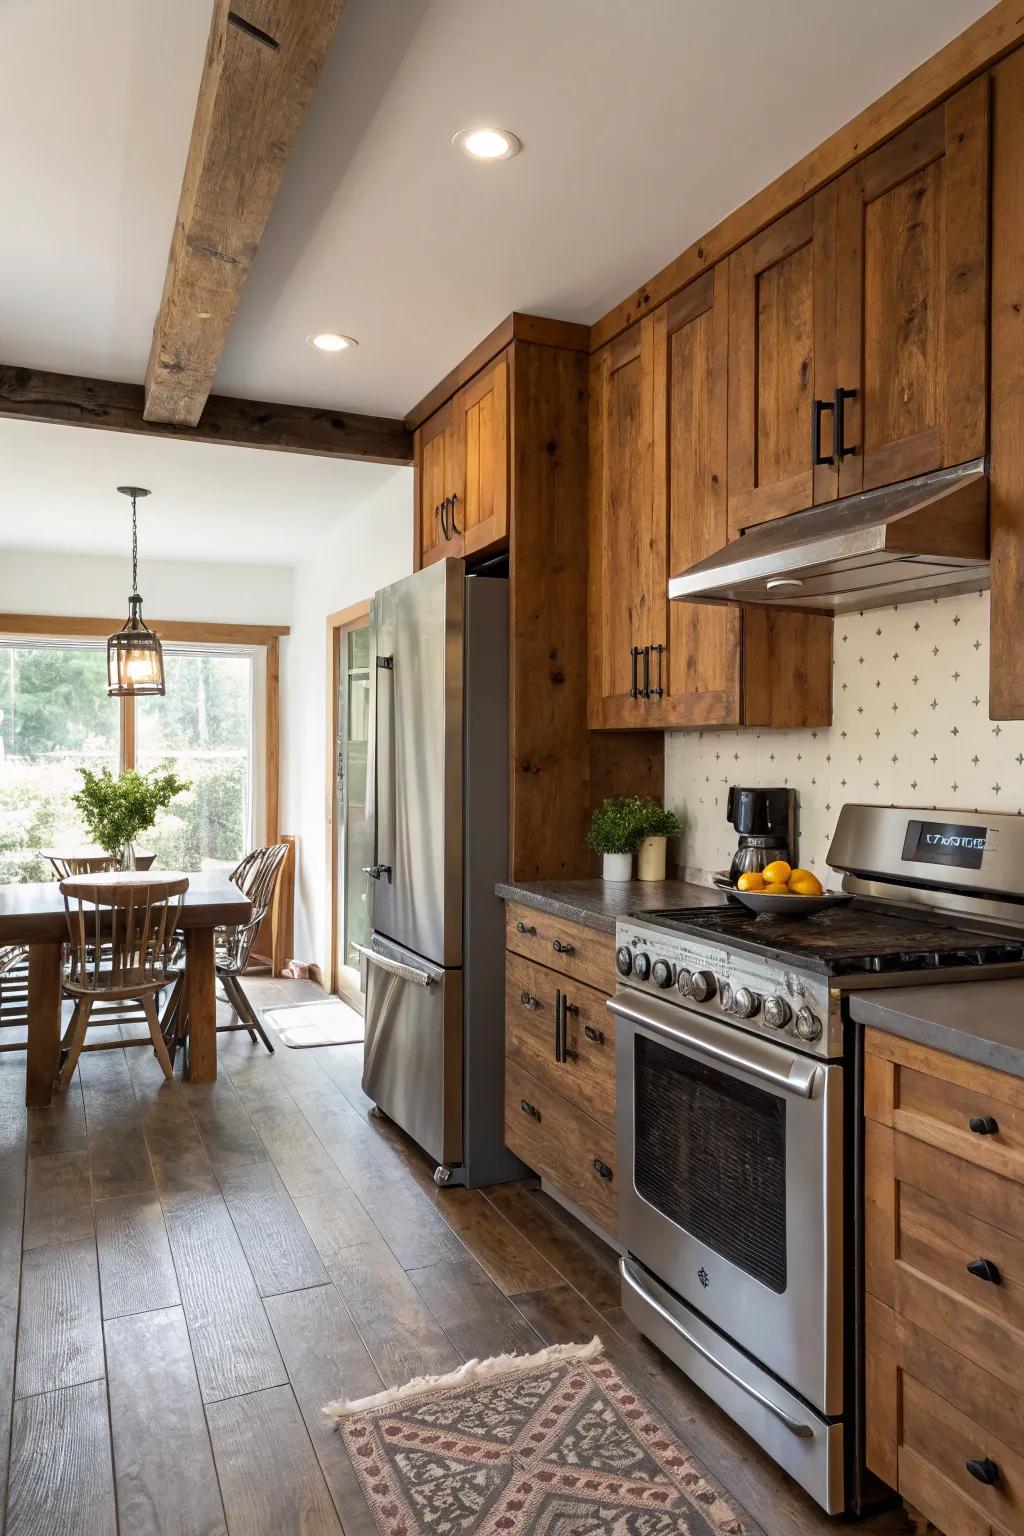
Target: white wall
910	727
97	586
369	548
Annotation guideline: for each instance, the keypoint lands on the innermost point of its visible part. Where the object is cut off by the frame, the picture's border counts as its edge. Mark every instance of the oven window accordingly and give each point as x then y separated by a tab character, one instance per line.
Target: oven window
710	1154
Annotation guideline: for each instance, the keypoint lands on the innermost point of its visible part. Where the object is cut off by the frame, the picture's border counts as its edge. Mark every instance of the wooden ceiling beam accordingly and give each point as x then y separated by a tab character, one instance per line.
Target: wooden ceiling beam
262	62
29	395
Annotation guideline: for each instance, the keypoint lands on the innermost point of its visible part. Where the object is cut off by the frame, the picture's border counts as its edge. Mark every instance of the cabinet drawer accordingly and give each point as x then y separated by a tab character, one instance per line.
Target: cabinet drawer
938	1436
586	954
575	1153
532	997
971	1111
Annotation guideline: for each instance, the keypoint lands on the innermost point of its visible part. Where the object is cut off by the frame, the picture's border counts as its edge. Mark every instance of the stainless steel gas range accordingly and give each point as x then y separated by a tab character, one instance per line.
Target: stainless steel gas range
739	1117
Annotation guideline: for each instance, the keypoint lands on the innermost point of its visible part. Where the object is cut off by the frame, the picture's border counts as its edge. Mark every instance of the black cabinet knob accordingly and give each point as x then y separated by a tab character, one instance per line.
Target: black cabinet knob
985	1470
985	1270
983	1125
602	1169
529	1109
561	948
528	1000
524	928
593	1034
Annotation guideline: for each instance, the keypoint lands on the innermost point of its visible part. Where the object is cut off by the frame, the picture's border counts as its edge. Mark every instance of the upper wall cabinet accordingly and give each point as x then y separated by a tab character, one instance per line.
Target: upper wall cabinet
462	455
658	415
912	298
782	365
857	353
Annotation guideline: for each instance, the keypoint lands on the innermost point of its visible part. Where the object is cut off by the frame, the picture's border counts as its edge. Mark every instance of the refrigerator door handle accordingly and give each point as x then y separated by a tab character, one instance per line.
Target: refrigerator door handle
395	967
381	775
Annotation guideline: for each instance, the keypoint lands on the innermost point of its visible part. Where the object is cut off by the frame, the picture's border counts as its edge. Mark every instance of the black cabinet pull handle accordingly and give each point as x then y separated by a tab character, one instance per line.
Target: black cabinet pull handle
524	928
559	1027
839	408
817	408
561	948
983	1125
453	527
602	1169
986	1470
529	1109
439	514
528	1000
658	692
593	1034
985	1270
646	690
634	691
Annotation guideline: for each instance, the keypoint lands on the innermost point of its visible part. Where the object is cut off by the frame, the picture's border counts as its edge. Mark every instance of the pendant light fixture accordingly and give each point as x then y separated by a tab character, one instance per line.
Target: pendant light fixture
135	662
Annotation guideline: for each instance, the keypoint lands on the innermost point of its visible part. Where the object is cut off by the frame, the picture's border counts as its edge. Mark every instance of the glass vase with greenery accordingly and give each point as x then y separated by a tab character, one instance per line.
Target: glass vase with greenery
116	809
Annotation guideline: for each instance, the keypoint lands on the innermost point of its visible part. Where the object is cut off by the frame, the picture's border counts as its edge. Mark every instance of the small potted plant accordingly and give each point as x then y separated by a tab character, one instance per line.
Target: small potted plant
616	828
116	810
657	826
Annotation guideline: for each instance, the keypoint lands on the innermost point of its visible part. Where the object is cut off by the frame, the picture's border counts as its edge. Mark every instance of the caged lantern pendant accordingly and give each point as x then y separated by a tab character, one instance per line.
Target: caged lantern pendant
135	662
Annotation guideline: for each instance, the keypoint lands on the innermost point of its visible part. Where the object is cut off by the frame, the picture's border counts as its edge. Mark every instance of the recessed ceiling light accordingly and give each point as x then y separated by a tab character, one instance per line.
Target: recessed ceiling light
330	341
488	143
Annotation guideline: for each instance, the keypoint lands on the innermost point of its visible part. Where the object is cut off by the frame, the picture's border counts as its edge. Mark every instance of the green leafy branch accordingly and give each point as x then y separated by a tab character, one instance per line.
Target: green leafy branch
116	810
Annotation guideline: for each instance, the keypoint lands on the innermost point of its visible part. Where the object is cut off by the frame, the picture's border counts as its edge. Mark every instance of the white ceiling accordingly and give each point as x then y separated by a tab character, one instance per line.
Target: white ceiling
643	123
208	502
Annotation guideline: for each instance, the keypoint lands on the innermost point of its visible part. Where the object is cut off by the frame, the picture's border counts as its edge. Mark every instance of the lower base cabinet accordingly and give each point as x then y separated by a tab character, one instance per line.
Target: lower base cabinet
944	1241
560	1059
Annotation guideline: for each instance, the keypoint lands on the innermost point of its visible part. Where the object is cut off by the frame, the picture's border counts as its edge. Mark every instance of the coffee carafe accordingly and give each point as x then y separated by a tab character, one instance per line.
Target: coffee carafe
765	820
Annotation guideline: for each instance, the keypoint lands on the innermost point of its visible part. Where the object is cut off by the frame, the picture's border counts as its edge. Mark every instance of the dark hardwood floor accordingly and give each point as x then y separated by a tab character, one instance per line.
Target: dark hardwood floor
187	1274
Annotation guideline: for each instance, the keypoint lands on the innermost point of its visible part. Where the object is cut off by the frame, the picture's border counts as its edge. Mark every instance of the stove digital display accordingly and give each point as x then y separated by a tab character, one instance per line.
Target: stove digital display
942	842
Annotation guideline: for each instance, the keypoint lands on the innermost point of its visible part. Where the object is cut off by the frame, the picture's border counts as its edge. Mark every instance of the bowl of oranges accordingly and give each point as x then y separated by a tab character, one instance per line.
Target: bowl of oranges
785	891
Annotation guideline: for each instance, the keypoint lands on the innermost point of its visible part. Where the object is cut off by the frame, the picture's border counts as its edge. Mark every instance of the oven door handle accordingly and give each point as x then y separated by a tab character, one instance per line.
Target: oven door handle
795	1427
721	1043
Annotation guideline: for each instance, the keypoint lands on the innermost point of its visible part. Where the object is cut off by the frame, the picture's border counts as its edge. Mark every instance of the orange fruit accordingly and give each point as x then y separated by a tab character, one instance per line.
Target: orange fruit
803	883
777	888
776	873
750	880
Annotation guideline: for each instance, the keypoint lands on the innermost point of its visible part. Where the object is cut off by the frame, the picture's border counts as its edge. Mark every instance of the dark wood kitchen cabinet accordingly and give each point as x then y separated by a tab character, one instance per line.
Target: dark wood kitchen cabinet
658	488
857	326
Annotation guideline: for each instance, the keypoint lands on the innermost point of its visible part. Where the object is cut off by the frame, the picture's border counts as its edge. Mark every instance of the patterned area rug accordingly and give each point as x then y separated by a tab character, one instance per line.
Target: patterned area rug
552	1444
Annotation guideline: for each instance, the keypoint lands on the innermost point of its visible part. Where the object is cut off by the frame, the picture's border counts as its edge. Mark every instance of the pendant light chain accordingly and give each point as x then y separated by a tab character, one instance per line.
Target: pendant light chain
135	551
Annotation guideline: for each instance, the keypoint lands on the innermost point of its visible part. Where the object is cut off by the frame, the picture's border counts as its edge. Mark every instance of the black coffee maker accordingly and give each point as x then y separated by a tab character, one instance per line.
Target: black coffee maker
766	822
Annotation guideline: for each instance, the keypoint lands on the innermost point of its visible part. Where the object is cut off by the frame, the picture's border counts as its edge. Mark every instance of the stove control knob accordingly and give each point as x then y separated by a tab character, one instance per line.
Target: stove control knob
745	1003
661	974
623	959
725	996
641	966
703	986
776	1012
808	1025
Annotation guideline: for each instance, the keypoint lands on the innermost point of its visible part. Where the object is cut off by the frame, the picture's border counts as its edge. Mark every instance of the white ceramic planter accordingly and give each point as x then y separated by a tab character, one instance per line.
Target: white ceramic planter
650	859
617	866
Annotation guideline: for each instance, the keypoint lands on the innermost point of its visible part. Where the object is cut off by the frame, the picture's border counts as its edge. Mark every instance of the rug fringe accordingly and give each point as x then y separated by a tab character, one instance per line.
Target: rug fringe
473	1370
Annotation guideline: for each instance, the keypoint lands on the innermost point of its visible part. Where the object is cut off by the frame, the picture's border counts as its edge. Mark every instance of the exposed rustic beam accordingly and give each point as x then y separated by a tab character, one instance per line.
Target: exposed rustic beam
977	48
69	401
262	61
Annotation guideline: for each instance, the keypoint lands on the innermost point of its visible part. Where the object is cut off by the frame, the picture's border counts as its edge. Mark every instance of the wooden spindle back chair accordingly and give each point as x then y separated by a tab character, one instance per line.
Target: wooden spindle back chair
121	930
80	864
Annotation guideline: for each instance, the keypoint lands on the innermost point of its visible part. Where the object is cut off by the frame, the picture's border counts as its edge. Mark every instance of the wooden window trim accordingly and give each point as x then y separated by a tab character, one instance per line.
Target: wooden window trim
355	616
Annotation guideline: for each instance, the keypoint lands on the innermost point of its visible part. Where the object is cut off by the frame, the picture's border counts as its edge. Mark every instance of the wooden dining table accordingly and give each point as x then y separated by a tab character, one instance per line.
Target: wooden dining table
34	914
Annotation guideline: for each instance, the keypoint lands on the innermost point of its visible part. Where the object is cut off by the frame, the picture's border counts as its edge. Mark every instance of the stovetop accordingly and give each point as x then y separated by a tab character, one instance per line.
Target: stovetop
844	940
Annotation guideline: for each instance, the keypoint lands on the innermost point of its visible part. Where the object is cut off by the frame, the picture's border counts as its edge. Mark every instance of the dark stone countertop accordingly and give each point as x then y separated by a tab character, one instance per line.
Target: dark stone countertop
598	903
981	1021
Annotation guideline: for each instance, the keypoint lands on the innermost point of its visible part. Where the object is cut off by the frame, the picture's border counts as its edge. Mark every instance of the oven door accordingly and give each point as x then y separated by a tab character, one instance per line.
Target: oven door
731	1184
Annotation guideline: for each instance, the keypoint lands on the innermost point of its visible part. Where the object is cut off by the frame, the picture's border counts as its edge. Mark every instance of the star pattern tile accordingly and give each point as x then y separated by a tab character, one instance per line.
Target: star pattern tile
919	672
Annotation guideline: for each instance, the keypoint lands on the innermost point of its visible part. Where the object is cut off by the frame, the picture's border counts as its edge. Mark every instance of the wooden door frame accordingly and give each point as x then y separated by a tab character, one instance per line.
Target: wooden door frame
355	616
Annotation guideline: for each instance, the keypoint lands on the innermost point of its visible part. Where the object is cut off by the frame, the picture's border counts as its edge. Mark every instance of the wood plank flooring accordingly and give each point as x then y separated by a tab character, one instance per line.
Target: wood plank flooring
188	1274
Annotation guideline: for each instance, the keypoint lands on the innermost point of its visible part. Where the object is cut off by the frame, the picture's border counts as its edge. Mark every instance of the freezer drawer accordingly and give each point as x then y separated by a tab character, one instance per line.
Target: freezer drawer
412	1058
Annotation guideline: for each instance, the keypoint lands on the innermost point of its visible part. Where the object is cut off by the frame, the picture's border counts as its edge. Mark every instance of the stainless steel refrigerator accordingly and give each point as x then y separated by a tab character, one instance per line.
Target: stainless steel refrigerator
438	788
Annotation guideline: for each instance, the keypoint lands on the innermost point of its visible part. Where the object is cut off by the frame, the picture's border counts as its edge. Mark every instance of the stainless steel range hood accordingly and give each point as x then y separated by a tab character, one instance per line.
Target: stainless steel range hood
926	537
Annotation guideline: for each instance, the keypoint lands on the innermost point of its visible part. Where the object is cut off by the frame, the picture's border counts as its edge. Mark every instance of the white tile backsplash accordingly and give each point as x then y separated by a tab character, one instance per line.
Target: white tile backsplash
910	727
